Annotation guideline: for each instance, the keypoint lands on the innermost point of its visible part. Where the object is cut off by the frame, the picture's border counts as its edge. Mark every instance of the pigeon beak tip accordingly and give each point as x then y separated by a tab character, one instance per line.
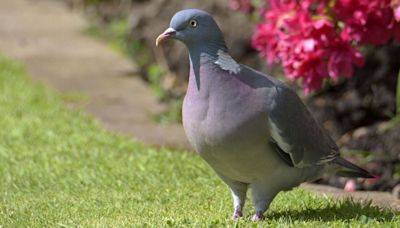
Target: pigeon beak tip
169	32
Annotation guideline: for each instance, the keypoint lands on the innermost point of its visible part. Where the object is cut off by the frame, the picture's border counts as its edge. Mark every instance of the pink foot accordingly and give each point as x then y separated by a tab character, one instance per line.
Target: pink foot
258	216
237	214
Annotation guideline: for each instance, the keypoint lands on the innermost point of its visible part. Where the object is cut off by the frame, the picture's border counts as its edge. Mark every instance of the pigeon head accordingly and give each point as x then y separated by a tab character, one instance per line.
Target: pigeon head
195	28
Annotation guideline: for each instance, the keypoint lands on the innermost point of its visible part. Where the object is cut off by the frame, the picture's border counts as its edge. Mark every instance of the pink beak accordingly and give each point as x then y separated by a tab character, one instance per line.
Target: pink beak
165	35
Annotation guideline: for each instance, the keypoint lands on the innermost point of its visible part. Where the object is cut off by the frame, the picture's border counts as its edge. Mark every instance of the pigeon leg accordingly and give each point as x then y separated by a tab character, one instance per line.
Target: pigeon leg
239	190
239	198
262	199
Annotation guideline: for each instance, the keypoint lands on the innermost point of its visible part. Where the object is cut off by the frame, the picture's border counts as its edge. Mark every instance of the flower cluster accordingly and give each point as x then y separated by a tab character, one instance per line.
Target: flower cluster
316	40
367	22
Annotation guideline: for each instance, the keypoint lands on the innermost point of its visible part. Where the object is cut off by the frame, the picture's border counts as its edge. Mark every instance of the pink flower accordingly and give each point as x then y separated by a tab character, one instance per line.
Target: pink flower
265	41
395	4
305	55
308	66
319	40
342	57
396	12
350	186
367	21
309	49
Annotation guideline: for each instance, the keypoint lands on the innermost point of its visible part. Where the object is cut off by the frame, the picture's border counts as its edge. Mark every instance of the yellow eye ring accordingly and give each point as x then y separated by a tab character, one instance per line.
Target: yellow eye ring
193	23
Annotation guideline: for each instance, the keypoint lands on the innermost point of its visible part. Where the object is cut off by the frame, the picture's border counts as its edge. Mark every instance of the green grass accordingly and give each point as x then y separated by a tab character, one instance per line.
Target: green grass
59	168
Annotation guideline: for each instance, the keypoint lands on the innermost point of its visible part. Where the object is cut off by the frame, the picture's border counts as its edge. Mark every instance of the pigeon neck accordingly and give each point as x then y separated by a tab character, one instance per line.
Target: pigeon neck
203	55
206	53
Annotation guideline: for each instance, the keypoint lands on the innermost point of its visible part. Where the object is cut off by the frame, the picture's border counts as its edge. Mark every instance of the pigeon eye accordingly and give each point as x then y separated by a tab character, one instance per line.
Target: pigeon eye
193	23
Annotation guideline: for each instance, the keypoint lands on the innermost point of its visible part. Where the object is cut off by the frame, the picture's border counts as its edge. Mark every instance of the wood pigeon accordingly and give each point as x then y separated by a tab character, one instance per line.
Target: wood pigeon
252	129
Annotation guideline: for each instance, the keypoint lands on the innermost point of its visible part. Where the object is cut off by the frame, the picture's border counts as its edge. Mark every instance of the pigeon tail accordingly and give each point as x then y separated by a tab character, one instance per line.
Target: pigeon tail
351	170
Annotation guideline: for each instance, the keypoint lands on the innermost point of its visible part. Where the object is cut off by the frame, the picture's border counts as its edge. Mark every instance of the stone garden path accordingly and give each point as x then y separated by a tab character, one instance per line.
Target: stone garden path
48	38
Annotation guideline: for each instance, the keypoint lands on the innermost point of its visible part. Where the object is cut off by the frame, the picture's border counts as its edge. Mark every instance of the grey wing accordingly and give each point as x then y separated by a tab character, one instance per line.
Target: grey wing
295	132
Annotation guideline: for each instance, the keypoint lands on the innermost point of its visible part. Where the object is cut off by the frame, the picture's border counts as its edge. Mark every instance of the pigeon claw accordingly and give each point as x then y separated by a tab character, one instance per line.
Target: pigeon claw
258	217
237	215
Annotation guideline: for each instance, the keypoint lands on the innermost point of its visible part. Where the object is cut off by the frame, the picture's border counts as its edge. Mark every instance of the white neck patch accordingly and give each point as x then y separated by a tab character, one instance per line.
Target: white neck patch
226	62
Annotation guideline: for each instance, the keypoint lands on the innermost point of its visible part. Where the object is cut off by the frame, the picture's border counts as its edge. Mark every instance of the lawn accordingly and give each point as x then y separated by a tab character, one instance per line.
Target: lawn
60	168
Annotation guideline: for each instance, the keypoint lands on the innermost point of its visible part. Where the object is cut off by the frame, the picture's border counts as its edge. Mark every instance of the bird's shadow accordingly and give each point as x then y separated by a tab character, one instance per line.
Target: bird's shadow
346	210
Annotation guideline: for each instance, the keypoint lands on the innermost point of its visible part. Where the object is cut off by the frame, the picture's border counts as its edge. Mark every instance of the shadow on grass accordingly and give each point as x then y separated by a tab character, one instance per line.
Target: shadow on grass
344	210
